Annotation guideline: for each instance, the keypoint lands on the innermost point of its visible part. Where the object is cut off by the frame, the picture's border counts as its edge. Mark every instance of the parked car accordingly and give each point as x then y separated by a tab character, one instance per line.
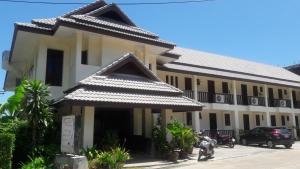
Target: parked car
271	136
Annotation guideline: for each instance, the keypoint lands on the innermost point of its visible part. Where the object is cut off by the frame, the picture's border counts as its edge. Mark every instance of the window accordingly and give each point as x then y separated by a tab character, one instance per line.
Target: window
225	87
150	66
255	91
227	119
189	118
84	57
176	81
188	83
257	120
285	91
261	89
273	120
167	79
287	118
54	67
283	120
280	93
172	80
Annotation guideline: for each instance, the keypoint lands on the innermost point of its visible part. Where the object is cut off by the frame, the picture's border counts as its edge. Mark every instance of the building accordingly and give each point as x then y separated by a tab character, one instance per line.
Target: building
116	76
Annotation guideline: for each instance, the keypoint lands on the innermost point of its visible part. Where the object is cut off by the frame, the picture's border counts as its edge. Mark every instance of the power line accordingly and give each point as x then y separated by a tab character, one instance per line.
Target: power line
85	3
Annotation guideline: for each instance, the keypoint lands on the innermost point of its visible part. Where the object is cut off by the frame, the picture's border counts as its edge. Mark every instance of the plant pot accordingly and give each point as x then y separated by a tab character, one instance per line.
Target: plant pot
183	154
190	150
173	156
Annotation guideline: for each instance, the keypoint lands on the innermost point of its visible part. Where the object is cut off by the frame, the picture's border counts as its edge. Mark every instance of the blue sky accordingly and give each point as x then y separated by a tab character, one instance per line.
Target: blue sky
265	31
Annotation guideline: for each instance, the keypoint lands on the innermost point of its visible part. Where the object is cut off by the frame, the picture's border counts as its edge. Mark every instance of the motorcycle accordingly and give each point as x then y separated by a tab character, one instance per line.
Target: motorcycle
206	147
226	140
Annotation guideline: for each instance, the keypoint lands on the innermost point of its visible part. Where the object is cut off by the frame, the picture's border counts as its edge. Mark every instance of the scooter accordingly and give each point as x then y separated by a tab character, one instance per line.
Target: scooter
206	147
226	140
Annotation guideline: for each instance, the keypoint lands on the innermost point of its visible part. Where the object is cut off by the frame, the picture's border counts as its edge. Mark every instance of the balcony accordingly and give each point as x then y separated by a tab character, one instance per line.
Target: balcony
221	98
250	100
189	94
279	103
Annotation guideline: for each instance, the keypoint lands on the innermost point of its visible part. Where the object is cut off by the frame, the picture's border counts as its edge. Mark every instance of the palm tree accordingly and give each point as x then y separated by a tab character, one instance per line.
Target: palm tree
35	108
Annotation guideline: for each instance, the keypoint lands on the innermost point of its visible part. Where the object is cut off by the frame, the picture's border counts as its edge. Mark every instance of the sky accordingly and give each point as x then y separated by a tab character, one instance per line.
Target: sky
266	31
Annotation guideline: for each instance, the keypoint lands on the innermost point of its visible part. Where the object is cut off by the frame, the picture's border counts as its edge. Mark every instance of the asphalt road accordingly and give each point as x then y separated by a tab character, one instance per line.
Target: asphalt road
252	157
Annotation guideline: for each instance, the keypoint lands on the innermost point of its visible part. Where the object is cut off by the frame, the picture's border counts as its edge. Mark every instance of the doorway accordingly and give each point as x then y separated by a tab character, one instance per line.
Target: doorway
213	121
188	83
273	120
246	122
271	97
211	90
244	94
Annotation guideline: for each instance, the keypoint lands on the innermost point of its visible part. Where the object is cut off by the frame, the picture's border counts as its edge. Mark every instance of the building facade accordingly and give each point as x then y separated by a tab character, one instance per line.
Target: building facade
114	75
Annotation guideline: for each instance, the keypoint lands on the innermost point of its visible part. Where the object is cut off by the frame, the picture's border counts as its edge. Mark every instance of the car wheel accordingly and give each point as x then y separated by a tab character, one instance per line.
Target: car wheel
270	144
288	145
244	142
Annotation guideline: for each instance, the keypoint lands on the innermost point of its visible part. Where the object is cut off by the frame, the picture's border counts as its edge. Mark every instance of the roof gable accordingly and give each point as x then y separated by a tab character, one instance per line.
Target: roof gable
112	12
128	65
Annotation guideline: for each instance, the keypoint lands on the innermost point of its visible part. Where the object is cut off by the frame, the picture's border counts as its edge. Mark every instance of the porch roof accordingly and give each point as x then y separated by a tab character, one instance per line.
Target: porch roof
128	83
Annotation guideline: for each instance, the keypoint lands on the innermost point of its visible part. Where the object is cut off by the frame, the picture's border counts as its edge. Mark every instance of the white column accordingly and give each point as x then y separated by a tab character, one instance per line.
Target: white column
268	121
78	50
166	117
88	126
293	113
195	114
236	112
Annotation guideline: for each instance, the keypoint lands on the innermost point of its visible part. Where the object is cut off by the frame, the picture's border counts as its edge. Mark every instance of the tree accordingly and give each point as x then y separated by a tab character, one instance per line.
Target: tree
35	107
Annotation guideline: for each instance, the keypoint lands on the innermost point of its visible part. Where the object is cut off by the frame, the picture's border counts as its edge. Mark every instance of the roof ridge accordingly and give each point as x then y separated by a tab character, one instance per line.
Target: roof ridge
96	4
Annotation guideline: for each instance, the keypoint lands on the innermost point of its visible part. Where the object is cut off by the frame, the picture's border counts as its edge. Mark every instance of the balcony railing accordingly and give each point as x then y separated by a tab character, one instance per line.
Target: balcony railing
251	100
221	98
189	94
279	103
297	104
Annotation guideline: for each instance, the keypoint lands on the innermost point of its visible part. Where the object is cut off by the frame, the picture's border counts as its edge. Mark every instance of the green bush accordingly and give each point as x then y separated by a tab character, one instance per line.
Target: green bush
113	159
6	150
35	163
162	146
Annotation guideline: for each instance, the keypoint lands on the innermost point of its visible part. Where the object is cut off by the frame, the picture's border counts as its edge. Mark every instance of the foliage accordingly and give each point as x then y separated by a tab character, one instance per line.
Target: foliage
183	137
160	142
90	153
113	159
23	143
12	107
6	150
110	140
48	152
35	108
35	163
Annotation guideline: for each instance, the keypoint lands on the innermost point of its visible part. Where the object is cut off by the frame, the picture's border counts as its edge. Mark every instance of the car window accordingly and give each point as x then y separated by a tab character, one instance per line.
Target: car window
254	131
284	131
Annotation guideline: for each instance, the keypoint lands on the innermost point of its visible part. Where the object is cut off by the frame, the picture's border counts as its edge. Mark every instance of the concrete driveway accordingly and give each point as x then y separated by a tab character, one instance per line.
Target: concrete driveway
250	157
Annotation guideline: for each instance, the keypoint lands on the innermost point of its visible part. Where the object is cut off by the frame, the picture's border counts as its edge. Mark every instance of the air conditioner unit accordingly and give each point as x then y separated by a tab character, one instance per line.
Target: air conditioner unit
282	103
220	98
254	101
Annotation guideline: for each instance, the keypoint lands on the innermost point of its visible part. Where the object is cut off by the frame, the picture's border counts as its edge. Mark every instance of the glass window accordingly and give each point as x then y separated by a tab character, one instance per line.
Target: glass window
84	57
227	119
189	118
225	87
257	120
54	67
167	79
273	120
176	81
172	80
283	120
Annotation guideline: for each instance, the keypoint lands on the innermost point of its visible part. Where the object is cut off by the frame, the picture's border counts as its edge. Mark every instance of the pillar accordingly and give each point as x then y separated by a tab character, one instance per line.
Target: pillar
293	113
88	126
138	121
166	117
236	112
148	123
78	50
195	114
268	120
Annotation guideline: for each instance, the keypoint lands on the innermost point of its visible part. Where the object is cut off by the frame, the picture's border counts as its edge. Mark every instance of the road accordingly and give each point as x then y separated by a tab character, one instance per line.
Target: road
251	157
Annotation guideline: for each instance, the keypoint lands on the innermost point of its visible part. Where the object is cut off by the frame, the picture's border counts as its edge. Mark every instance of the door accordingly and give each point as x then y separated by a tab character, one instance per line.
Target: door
280	95
297	122
271	97
211	91
213	121
246	122
188	83
273	120
225	88
294	99
244	94
255	91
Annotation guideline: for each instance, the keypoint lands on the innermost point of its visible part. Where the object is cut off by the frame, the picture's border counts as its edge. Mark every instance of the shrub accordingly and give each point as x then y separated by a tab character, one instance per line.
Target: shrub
90	153
113	159
35	163
160	142
6	150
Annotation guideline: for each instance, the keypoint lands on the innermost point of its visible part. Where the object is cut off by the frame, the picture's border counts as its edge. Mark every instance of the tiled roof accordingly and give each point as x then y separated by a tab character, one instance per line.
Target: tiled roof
84	17
129	82
110	86
127	98
223	66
